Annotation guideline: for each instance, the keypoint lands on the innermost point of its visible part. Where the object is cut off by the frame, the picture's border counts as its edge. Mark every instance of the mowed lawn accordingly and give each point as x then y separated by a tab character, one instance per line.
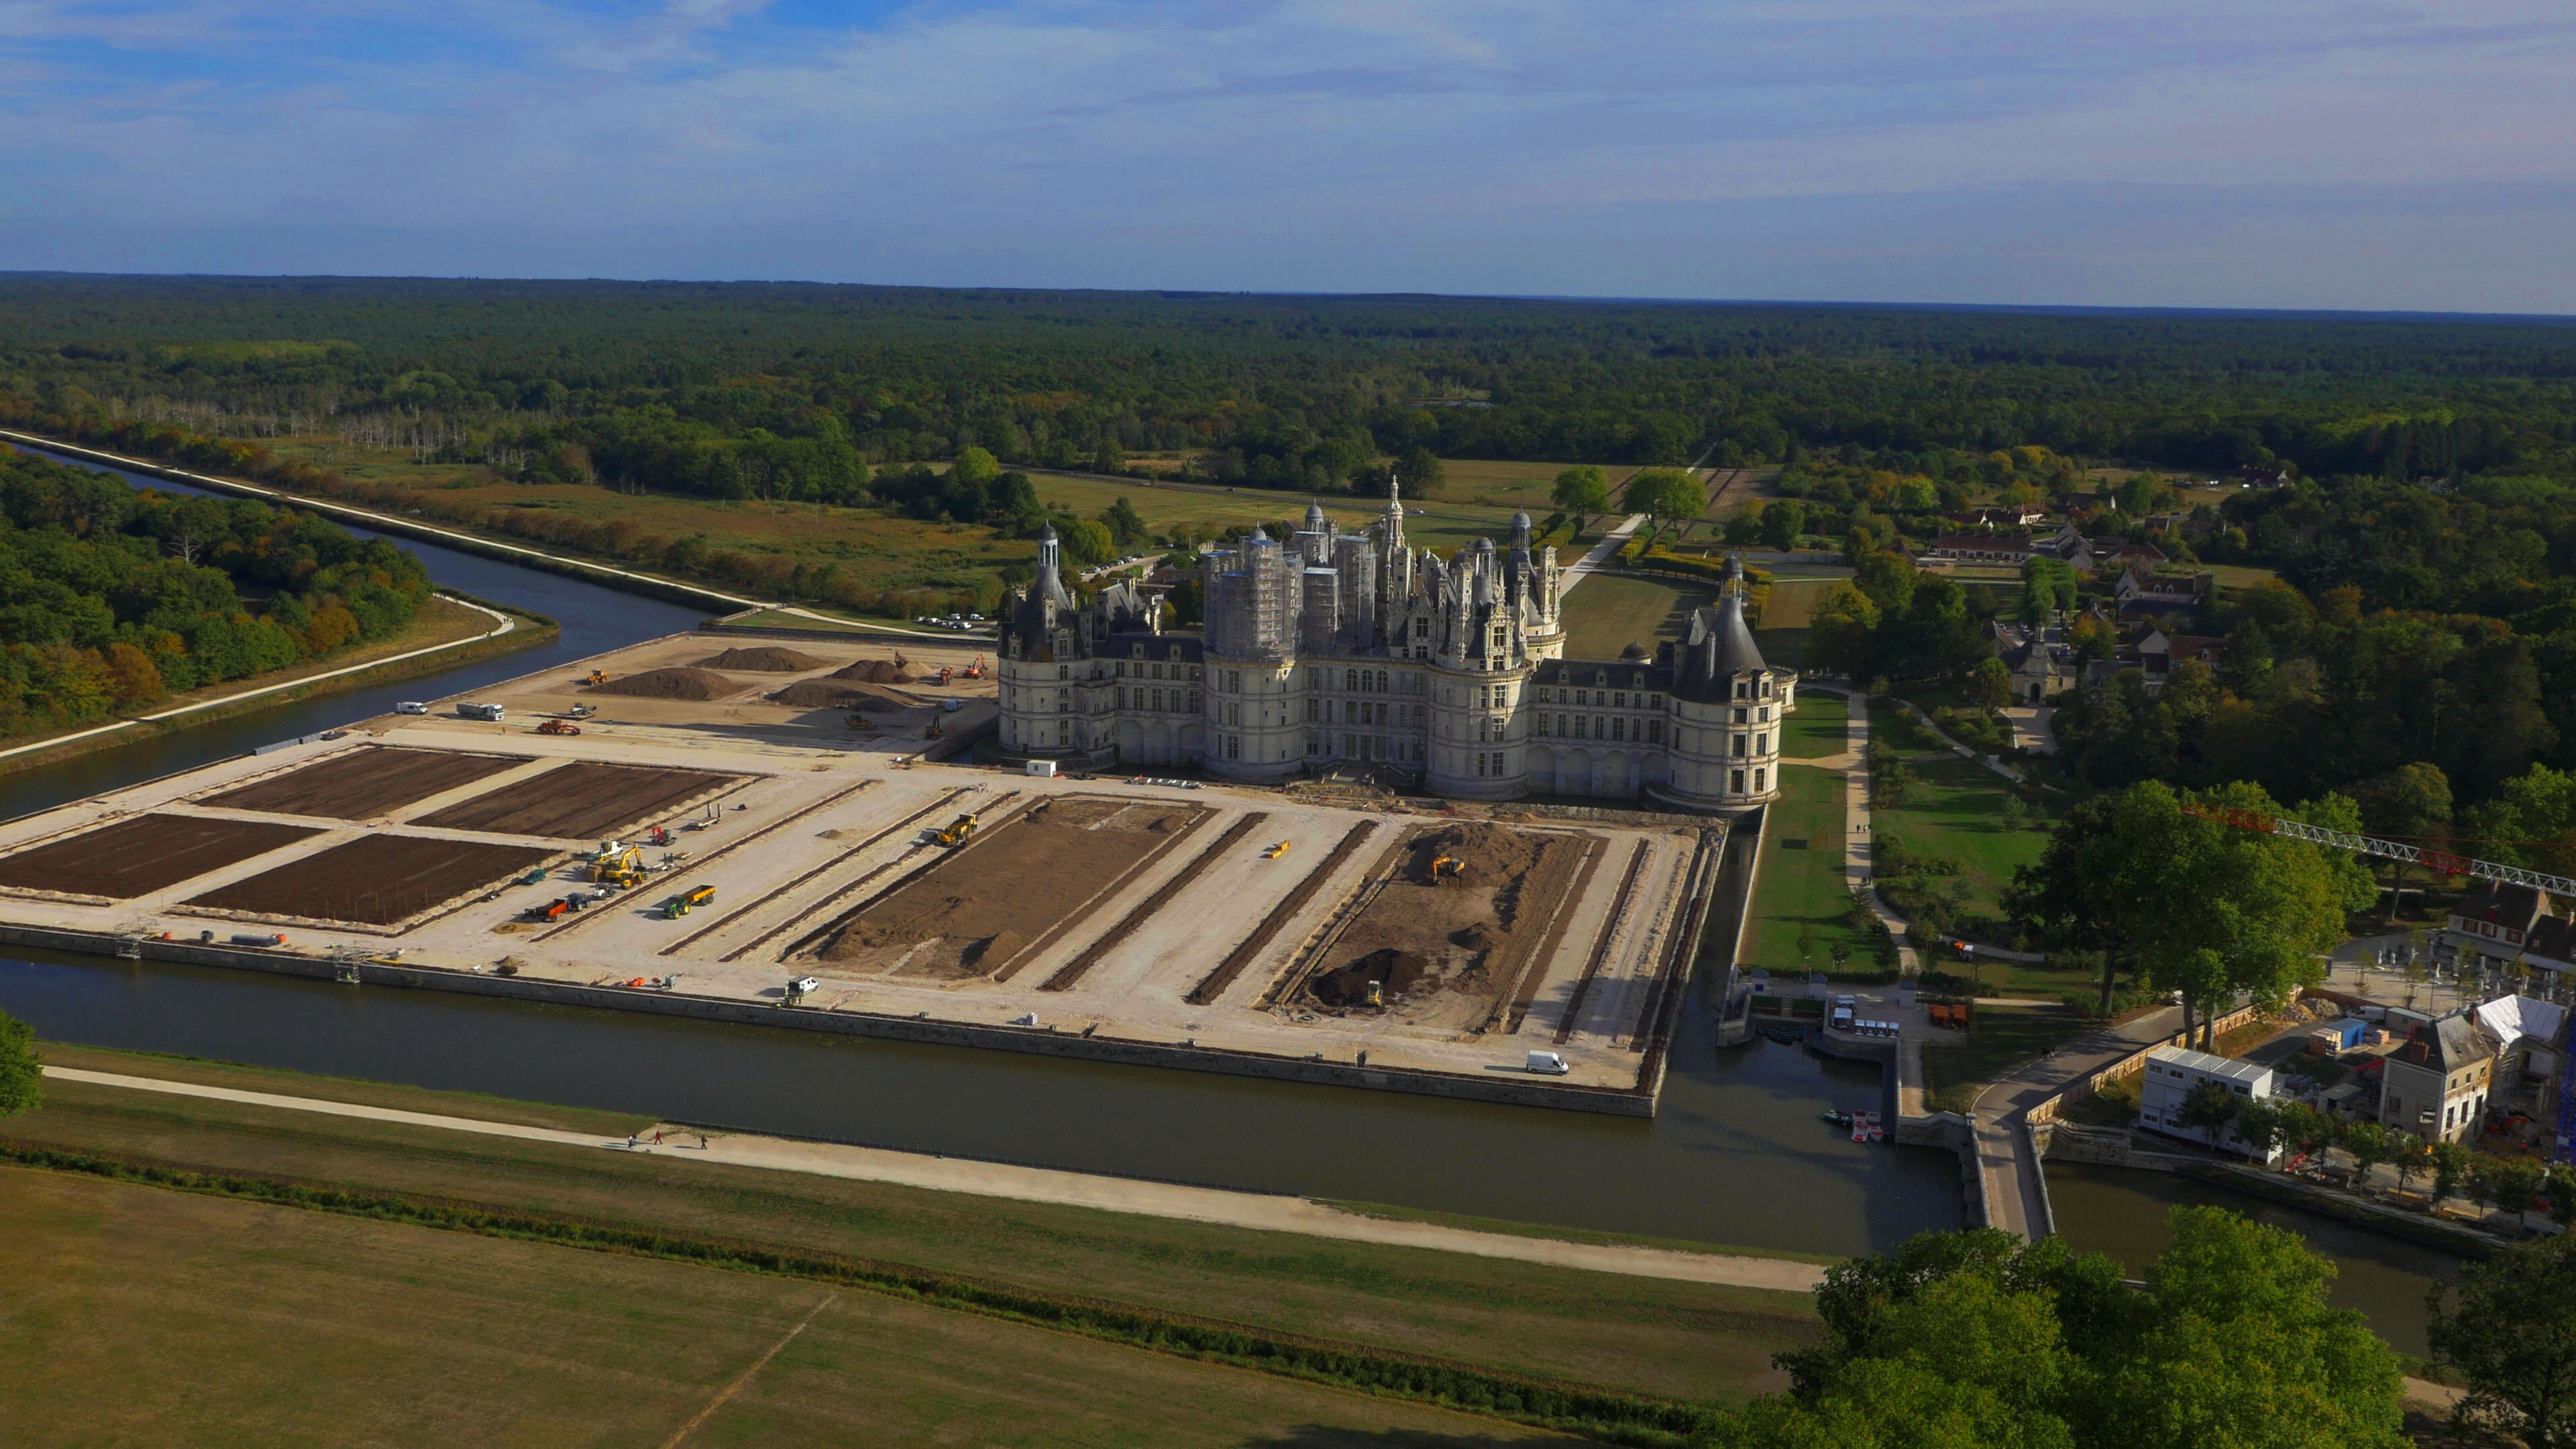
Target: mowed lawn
1955	809
1608	612
1674	1339
1817	727
139	1315
1802	886
2000	1038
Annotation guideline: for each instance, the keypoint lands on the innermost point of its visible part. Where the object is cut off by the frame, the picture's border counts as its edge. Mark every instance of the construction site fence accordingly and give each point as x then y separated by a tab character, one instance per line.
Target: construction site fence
2130	1065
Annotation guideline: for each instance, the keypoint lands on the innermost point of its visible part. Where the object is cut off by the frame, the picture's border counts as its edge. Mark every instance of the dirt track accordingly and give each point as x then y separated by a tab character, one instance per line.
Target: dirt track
581	801
143	854
375	880
984	904
363	783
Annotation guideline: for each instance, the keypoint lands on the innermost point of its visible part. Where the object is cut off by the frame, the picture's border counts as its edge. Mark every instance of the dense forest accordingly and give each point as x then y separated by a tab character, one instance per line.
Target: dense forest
111	599
749	390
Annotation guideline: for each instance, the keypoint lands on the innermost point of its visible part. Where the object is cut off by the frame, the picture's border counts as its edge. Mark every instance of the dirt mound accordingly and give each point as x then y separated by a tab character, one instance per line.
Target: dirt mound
1488	855
878	671
1479	937
821	694
766	659
670	684
1395	971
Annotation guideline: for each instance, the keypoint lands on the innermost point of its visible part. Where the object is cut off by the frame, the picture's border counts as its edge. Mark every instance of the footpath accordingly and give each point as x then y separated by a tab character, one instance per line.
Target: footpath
1257	1211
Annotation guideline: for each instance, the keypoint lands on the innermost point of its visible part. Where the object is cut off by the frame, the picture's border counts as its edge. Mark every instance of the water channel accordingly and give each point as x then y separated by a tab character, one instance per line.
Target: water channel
1737	1154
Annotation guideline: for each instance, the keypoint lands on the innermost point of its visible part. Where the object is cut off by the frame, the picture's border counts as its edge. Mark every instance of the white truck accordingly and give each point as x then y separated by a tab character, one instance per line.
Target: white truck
479	711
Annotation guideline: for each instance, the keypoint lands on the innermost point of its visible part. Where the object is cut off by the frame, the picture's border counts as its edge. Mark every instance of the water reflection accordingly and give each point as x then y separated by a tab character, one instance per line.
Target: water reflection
2121	1211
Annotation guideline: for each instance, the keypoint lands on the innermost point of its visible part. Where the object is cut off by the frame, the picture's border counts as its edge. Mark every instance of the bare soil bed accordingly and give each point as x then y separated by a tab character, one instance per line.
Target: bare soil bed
584	800
375	880
143	854
988	901
680	683
763	659
363	783
1444	952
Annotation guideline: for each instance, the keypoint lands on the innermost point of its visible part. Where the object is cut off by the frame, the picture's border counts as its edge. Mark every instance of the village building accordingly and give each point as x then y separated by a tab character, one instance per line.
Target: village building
2437	1084
2173	1074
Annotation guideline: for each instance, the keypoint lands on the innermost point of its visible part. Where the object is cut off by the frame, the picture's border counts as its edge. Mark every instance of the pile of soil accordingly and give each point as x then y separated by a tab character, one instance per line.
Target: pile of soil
767	659
1489	857
878	671
819	694
670	684
1397	972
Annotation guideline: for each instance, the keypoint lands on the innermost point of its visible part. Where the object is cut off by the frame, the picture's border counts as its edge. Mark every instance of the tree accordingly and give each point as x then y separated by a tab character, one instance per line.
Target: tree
2411	802
1784	521
1990	684
2211	1108
2370	1145
1125	524
2509	1184
2510	1329
1421	473
1666	496
2408	1154
1582	493
22	1079
2450	1164
1972	1340
1838	633
1108	457
2560	1185
974	465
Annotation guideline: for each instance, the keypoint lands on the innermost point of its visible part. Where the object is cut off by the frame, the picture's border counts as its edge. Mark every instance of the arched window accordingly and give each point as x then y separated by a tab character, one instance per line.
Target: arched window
1381	681
1351	680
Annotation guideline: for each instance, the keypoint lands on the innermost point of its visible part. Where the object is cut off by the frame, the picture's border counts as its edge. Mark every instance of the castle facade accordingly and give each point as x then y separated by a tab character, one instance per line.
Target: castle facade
1329	649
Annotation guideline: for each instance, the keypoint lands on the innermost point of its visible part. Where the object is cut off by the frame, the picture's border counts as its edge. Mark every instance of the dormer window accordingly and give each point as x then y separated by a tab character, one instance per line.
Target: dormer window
1137	651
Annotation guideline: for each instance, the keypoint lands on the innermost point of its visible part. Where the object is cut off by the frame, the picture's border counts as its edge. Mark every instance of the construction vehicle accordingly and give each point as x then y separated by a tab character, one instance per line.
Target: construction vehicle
934	731
1276	851
946	673
547	912
659	836
580	711
680	905
534	877
558	727
959	831
859	722
1446	867
976	669
622	867
1376	994
597	676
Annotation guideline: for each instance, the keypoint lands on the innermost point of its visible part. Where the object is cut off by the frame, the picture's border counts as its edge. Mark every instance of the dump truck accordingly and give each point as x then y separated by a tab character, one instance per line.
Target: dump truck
680	905
558	727
958	832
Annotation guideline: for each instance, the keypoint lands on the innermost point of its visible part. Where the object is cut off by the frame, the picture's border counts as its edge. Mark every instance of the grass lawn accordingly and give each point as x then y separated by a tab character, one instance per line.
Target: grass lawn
1890	724
1792	604
1999	1039
1680	1340
1956	809
1816	727
2237	576
1607	612
1803	888
140	1315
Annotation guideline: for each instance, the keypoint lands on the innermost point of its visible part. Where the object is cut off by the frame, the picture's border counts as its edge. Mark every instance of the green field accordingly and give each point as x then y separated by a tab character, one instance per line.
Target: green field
1804	888
1817	728
1608	612
1671	1339
1955	810
140	1315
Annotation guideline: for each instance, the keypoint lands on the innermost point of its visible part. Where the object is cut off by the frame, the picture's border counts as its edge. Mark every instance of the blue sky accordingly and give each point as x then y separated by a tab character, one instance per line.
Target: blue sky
2282	153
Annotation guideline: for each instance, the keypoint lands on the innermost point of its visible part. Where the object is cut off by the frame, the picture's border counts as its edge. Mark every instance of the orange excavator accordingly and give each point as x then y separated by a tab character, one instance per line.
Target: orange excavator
976	669
1446	868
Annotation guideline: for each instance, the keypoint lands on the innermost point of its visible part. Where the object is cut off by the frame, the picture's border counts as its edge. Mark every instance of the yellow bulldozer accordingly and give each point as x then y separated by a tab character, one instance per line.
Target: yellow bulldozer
597	676
622	867
959	831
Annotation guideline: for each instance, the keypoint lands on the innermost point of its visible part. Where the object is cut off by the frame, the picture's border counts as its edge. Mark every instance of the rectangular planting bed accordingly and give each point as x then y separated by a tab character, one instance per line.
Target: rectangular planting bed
363	783
142	854
374	880
585	800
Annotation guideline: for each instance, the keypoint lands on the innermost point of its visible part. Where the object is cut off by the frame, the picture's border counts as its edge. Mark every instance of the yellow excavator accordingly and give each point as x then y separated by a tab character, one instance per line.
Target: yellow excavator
597	676
1444	868
623	867
959	831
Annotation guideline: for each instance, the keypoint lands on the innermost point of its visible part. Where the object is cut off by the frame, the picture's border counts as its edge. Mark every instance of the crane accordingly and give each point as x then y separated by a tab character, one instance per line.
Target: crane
2440	862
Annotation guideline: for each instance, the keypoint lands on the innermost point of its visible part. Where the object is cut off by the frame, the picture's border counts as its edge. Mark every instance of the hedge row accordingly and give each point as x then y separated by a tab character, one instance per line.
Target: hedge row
1618	1418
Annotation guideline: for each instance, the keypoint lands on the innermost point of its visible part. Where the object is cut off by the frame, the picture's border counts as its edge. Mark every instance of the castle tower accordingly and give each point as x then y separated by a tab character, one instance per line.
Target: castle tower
1729	708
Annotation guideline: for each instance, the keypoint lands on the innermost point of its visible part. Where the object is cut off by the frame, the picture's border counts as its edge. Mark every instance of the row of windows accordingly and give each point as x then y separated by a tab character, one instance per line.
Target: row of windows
1599	698
1140	697
1488	767
1735	782
1362	711
1573	727
1147	671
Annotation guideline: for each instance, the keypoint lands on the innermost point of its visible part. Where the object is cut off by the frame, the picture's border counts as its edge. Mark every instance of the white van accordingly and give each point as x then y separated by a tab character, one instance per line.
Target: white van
1547	1064
411	706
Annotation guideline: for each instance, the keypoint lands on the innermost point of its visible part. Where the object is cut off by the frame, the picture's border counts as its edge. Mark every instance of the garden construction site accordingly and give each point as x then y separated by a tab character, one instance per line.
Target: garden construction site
757	833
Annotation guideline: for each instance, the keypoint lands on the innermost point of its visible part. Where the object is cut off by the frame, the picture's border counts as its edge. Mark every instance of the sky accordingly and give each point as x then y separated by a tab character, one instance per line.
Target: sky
2208	153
